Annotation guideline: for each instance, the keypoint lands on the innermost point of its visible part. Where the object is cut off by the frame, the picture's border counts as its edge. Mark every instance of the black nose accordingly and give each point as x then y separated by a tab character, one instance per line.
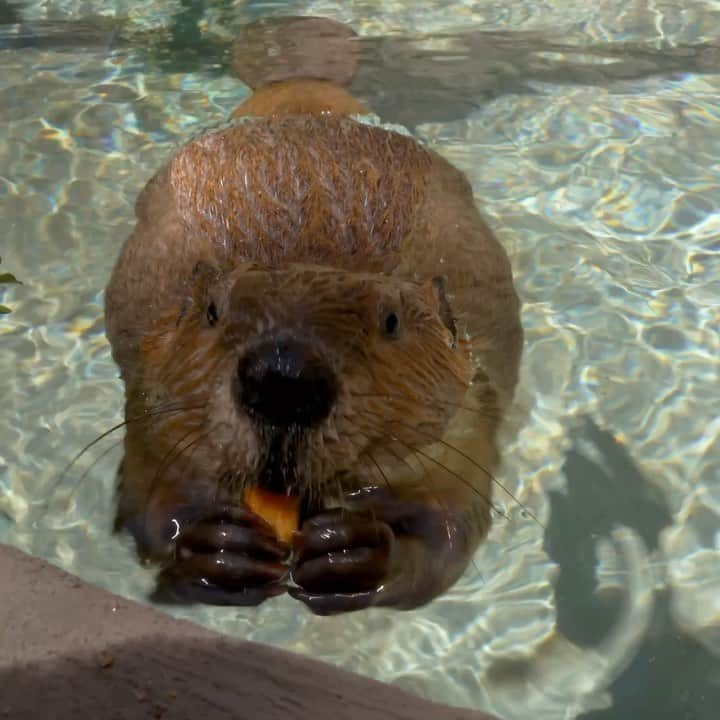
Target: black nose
284	383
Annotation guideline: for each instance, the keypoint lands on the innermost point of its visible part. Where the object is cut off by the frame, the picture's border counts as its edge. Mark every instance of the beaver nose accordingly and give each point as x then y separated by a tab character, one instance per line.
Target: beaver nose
284	383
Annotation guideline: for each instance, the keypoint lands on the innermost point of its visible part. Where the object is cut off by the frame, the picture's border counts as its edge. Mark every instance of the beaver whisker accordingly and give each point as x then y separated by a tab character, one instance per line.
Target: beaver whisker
383	476
160	409
462	454
489	413
79	483
423	475
416	451
89	446
153	412
169	453
471	460
235	482
338	482
399	458
171	456
224	480
420	453
95	462
492	478
436	439
279	470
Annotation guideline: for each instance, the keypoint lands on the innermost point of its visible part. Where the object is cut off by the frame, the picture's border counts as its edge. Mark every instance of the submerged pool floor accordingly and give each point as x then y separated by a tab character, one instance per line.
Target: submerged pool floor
605	187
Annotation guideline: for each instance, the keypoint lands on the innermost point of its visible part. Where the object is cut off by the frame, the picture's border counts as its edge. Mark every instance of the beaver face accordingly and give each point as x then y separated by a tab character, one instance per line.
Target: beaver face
305	379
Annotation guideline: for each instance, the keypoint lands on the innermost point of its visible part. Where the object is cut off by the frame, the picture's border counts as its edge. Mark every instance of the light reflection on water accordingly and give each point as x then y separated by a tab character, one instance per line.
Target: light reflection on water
606	196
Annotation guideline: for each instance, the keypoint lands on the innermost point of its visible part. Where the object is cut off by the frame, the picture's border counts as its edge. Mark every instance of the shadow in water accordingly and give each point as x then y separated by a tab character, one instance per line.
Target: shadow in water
405	80
672	675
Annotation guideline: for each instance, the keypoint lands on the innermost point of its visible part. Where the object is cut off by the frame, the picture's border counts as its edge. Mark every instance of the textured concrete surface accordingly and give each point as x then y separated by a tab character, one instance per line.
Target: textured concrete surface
71	650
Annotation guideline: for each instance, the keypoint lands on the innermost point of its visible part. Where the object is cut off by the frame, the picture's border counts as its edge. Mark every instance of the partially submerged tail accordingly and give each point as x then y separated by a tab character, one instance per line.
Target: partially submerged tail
297	65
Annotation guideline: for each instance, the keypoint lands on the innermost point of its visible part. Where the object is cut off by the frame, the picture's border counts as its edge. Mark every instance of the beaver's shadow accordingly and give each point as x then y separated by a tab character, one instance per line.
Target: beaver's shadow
672	675
403	79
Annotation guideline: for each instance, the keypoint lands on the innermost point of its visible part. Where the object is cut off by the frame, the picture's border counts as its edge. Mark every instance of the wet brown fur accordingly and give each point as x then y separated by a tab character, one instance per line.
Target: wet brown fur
300	97
312	222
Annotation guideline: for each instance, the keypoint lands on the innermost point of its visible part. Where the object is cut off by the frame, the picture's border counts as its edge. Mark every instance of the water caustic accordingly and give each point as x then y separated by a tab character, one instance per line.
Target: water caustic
599	173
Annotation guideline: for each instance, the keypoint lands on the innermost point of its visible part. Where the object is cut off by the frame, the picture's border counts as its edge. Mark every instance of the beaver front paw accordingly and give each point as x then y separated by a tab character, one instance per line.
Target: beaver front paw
230	557
341	558
381	551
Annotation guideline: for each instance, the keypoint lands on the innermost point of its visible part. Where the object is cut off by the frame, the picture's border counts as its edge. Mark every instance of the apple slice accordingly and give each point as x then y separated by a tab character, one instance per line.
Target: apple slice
281	512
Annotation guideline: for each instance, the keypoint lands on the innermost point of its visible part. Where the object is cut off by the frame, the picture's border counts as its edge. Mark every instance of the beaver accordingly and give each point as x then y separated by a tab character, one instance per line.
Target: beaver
311	304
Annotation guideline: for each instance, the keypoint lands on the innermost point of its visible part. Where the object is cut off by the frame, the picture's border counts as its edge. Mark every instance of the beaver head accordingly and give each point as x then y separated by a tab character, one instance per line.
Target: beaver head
303	379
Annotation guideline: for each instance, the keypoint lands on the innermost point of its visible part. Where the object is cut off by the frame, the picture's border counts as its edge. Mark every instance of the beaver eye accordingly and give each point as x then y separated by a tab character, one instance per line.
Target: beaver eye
391	324
212	314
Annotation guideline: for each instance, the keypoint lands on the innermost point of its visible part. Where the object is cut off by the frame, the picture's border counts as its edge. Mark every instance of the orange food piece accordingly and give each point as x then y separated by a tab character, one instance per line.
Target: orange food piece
281	512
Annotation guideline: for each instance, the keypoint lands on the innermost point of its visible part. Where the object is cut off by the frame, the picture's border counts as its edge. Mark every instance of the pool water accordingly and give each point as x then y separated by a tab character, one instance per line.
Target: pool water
591	134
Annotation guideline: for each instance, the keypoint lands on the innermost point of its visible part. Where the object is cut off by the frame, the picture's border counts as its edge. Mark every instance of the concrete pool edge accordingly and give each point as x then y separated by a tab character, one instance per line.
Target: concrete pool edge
75	650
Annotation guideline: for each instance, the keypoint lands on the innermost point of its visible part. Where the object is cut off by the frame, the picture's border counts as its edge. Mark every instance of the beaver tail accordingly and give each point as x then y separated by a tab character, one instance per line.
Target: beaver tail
297	65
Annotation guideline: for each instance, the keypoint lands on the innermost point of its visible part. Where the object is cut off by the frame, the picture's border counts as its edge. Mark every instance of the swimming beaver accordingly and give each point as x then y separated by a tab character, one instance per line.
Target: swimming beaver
311	305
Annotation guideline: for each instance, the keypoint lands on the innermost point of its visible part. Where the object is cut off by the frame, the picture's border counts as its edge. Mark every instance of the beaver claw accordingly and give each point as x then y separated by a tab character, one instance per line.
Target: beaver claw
228	558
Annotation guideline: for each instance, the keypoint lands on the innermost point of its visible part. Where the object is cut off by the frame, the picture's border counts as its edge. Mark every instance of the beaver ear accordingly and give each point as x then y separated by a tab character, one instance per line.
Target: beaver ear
204	275
439	286
202	278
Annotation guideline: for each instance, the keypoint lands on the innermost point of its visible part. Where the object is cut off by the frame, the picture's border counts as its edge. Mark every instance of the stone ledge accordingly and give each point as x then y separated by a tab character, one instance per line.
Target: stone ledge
69	650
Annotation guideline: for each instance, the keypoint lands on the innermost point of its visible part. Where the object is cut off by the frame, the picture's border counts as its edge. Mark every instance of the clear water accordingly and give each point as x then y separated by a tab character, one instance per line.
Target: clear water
606	192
